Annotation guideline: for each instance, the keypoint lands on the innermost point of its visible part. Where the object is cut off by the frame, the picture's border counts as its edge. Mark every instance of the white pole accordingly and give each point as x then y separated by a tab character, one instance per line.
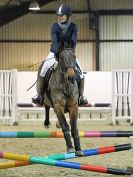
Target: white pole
124	93
131	120
14	97
113	98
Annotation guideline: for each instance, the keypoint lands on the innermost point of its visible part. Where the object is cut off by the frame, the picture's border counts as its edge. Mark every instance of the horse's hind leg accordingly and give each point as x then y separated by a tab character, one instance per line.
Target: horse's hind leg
47	122
65	128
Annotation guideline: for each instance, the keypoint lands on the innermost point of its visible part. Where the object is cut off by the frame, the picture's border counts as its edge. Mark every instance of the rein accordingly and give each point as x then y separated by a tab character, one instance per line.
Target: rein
32	66
32	85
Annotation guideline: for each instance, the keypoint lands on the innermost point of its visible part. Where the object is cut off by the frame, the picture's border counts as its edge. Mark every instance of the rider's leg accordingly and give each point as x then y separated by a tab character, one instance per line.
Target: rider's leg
50	60
41	85
82	99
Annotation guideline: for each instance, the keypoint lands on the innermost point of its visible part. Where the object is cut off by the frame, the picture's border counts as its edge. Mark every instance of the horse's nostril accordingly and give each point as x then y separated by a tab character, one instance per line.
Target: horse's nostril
72	79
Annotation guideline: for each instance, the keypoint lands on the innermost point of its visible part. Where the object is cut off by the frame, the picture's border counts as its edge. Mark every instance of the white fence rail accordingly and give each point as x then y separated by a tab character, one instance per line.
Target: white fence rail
122	95
8	96
98	86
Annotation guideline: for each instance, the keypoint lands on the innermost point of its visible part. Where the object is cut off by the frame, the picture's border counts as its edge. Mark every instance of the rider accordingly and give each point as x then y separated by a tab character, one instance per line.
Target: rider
62	30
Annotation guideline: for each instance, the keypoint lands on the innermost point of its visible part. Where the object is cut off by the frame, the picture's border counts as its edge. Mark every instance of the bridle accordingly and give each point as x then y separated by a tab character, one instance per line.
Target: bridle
71	67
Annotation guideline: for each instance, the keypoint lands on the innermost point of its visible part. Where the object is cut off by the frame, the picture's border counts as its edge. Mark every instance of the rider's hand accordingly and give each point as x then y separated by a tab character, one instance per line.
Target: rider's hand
56	56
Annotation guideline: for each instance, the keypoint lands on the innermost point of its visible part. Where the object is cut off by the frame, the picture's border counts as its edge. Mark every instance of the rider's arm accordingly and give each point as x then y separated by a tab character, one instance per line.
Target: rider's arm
54	38
75	35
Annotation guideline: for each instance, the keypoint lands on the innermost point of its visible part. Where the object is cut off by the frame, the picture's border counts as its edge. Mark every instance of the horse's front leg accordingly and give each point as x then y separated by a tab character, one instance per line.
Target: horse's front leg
73	113
46	121
59	110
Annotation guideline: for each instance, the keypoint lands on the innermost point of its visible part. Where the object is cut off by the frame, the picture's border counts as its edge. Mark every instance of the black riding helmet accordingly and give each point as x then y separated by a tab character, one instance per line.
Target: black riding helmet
64	10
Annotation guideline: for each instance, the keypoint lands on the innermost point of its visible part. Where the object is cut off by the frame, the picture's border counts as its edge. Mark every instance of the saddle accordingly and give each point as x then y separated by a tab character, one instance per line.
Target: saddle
49	73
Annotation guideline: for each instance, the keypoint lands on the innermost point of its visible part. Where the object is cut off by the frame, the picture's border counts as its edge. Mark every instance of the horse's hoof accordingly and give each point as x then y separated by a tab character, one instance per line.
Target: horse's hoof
58	124
79	153
70	150
47	125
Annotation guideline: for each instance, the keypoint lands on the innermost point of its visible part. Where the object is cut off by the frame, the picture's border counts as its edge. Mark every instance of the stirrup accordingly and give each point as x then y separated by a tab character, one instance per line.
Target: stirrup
82	100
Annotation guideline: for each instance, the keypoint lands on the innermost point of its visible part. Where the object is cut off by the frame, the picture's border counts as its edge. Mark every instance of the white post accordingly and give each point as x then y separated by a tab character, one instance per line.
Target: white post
14	97
8	96
113	98
122	95
131	120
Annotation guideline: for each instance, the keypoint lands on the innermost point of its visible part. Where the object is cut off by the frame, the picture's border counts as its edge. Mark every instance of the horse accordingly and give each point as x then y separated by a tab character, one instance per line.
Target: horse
62	95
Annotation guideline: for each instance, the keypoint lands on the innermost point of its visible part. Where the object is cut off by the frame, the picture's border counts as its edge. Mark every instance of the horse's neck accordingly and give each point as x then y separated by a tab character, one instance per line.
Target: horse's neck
58	76
61	75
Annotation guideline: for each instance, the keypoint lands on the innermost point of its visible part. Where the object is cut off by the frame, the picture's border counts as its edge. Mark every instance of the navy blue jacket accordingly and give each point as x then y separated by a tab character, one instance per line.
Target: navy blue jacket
57	35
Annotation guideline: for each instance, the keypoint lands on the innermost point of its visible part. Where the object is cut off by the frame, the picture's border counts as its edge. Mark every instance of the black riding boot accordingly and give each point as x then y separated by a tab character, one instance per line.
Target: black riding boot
41	88
82	99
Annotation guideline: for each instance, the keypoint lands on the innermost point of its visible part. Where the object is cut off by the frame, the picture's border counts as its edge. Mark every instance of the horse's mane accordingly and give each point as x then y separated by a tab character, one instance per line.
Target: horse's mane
67	44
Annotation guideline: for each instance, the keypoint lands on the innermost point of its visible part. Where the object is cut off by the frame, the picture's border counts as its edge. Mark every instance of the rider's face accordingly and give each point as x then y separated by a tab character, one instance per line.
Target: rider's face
62	18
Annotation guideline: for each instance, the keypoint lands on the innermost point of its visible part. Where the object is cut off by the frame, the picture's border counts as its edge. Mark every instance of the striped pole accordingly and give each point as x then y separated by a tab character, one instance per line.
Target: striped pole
73	165
64	156
13	164
59	134
57	157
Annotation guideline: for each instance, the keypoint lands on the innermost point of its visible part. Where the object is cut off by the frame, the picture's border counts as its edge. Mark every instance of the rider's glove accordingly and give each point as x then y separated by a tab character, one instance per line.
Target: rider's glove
56	56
